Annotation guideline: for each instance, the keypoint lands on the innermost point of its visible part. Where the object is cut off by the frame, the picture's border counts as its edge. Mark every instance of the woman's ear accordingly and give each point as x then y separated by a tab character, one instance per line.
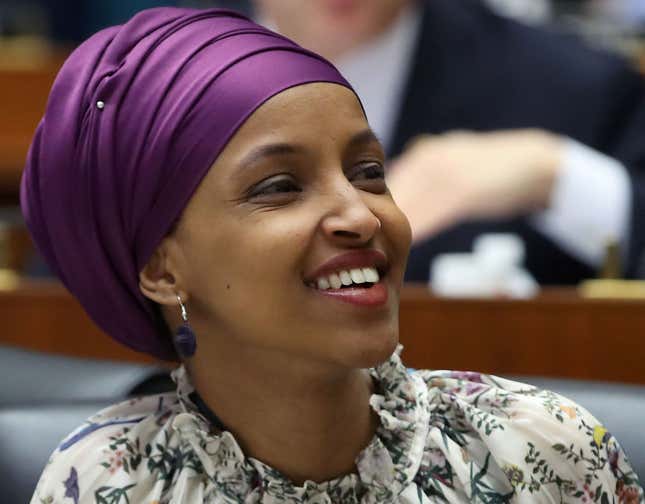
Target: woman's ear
158	280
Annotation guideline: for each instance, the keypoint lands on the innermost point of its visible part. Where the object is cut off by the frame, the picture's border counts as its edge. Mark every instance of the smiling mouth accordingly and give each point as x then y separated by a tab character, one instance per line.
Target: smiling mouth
361	287
354	278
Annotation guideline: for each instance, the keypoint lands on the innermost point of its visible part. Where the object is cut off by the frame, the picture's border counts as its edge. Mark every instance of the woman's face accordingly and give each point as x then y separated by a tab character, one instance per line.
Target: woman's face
296	198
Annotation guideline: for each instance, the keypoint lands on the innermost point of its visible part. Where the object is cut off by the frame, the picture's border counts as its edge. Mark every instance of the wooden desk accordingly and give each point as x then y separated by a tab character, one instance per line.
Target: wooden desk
557	334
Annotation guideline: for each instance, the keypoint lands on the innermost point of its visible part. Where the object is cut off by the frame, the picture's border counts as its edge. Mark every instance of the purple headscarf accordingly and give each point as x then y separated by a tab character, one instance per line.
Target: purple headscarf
135	119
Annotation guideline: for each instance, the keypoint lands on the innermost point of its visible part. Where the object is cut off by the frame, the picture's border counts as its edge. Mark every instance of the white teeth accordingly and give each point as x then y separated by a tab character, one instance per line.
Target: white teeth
323	283
357	276
334	281
345	277
371	275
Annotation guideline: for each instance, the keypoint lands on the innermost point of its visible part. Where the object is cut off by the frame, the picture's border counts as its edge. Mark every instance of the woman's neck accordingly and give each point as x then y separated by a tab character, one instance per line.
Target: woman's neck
305	424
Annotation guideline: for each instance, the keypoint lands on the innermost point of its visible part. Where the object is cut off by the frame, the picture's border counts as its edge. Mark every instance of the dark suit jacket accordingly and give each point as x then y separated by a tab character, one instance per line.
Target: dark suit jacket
475	70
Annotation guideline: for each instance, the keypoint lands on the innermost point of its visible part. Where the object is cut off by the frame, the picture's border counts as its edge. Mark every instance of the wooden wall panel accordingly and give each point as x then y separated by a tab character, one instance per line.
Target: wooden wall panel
44	316
23	95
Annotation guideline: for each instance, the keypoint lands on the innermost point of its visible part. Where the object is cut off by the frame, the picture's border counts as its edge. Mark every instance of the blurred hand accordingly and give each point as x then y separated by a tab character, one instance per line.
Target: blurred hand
442	180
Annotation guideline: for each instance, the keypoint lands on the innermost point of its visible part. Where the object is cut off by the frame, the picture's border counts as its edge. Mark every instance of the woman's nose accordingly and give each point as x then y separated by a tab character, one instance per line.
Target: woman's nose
350	219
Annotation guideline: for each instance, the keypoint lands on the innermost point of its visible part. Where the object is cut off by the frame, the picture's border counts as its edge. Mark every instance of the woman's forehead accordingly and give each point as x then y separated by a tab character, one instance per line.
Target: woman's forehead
317	100
302	115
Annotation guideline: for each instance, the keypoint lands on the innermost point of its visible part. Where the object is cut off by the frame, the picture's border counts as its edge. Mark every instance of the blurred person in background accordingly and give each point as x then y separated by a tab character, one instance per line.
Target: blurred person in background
627	13
492	125
70	21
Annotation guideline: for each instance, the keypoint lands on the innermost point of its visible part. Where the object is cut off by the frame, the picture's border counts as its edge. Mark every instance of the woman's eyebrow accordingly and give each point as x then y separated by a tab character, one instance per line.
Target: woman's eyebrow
280	149
250	163
268	150
363	137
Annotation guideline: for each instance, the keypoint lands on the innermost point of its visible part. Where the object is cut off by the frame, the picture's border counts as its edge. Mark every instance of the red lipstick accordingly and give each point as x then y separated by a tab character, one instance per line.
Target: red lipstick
376	295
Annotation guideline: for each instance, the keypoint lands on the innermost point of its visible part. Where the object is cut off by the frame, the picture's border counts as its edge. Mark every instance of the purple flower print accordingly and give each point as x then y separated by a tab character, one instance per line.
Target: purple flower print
473	388
71	485
467	375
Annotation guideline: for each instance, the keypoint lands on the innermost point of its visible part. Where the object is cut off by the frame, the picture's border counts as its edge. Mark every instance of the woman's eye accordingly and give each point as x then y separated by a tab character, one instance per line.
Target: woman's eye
369	176
371	171
274	186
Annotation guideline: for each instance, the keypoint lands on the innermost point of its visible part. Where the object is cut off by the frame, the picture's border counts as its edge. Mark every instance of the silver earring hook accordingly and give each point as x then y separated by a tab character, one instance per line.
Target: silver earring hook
184	314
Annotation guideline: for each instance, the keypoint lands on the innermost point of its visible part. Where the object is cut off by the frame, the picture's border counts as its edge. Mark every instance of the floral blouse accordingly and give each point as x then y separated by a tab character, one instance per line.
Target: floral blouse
443	437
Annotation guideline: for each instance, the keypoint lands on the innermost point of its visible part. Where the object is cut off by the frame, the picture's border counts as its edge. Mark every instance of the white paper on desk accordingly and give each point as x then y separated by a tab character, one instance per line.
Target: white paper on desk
494	269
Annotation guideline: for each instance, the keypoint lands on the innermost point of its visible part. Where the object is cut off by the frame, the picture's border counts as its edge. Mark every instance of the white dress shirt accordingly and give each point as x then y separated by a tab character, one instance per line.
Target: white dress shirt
591	198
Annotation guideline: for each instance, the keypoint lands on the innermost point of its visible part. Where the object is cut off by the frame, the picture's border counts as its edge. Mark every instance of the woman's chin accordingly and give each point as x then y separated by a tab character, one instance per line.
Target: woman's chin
372	350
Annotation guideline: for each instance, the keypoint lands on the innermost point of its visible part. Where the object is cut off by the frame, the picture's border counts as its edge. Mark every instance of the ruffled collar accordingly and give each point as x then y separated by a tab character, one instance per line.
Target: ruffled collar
386	467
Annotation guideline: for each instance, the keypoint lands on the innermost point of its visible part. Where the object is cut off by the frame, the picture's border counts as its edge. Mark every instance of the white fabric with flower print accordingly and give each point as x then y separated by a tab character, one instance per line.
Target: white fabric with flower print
443	437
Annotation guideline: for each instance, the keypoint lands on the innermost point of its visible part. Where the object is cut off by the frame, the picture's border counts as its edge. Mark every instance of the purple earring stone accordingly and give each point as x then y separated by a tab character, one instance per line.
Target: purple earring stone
185	341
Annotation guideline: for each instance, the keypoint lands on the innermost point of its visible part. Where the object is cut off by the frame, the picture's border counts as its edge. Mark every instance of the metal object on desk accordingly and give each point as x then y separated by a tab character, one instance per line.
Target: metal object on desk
613	289
610	285
612	265
9	278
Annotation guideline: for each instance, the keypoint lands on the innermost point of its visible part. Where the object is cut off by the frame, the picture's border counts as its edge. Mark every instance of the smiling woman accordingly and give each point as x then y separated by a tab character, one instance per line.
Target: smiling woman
195	171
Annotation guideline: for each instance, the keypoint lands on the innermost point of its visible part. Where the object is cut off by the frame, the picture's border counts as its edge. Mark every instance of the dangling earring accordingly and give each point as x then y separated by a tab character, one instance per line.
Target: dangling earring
185	341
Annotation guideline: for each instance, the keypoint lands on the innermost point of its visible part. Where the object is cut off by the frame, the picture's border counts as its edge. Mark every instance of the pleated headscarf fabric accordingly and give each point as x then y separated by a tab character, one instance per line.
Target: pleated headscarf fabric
135	119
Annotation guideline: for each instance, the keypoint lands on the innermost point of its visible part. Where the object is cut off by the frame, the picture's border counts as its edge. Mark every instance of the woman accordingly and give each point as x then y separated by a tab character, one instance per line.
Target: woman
210	191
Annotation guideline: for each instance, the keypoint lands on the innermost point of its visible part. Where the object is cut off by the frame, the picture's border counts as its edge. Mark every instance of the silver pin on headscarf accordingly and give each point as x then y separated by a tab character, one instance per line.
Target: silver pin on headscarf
100	105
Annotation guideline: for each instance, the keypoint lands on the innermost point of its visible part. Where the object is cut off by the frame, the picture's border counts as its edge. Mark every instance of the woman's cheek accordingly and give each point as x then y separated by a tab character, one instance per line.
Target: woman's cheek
396	225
